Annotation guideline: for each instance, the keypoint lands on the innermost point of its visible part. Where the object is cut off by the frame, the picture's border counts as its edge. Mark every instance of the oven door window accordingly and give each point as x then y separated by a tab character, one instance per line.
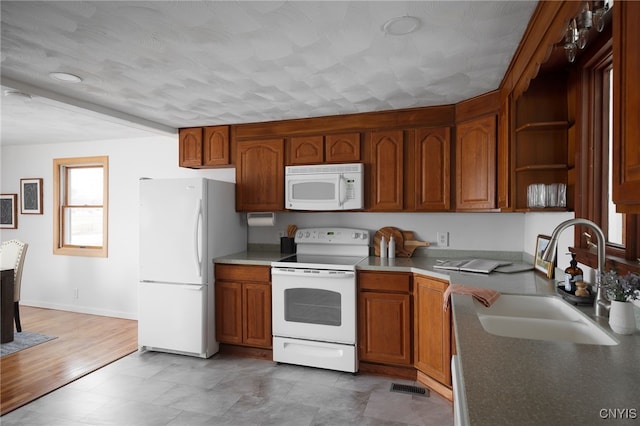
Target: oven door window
312	306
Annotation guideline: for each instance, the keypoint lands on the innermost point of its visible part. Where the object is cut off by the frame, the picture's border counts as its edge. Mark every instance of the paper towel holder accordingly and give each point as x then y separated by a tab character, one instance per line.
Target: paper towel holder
261	218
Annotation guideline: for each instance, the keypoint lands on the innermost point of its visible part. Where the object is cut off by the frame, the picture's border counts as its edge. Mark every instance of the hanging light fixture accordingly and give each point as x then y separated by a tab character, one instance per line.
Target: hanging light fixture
576	35
600	8
583	25
570	37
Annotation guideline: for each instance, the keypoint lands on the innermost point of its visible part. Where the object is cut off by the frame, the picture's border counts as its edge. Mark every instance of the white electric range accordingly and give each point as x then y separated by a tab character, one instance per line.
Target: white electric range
314	304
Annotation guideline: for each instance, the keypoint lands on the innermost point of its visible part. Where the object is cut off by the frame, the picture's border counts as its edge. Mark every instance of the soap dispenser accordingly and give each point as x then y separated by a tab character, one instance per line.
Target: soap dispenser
572	274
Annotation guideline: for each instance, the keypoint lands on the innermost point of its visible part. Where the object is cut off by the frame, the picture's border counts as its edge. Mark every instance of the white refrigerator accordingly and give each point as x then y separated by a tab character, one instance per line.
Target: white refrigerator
184	225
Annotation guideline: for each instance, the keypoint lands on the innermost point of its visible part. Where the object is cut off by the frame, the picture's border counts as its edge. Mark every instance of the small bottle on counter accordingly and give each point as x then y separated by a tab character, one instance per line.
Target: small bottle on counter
392	247
572	274
383	247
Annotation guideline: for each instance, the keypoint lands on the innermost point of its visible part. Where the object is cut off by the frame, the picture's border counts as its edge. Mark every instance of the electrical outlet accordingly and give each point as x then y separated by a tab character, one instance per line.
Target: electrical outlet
443	239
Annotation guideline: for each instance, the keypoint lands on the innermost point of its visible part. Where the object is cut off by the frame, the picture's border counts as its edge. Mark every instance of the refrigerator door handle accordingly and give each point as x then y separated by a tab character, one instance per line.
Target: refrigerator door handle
196	245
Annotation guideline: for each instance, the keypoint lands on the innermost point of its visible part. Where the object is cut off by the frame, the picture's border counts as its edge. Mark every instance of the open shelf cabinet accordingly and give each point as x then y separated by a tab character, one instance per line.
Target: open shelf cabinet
540	150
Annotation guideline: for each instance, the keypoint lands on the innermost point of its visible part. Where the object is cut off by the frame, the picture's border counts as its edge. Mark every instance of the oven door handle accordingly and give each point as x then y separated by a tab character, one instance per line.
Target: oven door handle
312	273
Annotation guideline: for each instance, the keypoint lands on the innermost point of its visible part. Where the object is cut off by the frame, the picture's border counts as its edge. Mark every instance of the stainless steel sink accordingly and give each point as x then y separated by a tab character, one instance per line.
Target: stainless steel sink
540	318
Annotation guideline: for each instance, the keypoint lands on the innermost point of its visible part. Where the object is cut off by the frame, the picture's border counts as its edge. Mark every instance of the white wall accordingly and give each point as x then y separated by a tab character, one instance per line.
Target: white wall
108	286
467	231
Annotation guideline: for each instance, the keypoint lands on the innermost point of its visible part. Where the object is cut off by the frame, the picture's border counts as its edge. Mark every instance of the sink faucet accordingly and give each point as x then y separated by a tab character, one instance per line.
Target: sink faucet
601	302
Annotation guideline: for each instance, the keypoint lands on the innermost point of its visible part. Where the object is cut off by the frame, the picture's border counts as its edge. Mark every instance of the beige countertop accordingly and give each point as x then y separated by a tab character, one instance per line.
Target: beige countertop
510	381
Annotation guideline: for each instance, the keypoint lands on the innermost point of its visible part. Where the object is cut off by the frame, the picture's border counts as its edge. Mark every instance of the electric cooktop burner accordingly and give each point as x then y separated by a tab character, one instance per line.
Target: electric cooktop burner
319	261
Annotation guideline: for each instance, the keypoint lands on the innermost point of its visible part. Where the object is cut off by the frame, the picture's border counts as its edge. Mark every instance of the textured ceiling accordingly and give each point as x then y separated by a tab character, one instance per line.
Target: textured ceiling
171	64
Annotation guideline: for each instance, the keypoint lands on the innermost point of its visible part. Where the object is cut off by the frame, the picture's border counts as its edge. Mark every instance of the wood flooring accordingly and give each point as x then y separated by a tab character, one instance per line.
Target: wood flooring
84	343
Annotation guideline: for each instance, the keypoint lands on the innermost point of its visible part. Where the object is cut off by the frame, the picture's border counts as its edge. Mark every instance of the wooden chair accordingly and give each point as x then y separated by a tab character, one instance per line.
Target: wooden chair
12	254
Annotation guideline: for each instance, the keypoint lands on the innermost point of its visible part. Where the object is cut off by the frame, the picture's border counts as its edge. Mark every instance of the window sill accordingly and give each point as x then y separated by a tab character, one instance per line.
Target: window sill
78	251
620	264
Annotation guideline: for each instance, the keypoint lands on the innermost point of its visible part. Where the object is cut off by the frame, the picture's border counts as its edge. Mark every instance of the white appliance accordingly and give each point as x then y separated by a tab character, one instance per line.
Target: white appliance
460	417
184	225
314	303
324	187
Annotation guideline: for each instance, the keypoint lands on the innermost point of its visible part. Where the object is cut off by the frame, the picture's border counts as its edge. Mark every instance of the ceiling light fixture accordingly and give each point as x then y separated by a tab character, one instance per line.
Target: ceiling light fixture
65	77
401	25
17	94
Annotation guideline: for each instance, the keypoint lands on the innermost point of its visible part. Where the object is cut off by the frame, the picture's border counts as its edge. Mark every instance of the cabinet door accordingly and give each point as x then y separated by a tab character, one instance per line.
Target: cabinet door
228	312
432	164
216	146
503	171
626	89
260	175
476	164
257	314
384	334
343	148
433	330
306	150
190	147
386	155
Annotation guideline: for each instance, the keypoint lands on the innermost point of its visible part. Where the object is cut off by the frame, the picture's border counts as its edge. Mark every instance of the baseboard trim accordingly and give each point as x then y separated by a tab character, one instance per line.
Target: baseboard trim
80	309
246	351
407	373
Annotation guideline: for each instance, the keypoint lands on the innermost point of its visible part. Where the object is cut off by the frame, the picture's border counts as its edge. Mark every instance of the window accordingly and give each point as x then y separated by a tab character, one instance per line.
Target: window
80	206
596	108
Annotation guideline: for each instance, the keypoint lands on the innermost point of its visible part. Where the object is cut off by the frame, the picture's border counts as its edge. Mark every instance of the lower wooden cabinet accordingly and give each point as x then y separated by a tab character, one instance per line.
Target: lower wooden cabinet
432	329
243	305
384	318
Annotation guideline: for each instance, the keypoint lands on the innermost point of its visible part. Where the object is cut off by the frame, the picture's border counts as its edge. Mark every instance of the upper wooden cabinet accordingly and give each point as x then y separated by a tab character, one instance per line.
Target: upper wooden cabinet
190	147
204	147
305	150
385	155
260	175
430	152
626	109
340	148
540	142
476	144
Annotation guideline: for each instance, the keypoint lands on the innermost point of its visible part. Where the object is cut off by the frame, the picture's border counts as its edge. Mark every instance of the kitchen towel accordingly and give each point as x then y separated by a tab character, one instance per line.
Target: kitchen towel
486	296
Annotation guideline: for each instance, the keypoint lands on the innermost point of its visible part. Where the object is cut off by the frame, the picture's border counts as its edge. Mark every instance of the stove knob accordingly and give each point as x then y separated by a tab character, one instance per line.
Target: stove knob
355	235
307	234
364	236
299	234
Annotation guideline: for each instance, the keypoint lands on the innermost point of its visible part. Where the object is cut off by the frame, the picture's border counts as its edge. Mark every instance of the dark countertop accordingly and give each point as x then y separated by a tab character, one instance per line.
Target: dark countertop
511	381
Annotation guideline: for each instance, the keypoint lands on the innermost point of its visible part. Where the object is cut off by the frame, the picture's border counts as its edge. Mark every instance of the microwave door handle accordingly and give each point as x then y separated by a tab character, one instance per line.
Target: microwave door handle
342	190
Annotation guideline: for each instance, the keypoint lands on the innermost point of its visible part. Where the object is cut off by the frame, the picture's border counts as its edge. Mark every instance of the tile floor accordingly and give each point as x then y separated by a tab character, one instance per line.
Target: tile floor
154	388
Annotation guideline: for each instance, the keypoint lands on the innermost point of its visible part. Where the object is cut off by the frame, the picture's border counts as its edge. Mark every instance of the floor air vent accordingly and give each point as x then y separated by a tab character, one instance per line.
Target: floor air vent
410	389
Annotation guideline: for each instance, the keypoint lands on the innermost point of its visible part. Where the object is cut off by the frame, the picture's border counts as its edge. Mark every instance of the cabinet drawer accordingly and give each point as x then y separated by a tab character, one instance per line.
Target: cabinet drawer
384	281
242	272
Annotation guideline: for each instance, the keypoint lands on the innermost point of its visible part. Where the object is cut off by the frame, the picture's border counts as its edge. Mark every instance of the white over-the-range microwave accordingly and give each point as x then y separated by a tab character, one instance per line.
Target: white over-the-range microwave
324	187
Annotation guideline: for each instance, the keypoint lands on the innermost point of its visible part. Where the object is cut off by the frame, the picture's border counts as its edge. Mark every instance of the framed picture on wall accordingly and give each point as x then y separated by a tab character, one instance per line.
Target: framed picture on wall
9	211
542	241
31	196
